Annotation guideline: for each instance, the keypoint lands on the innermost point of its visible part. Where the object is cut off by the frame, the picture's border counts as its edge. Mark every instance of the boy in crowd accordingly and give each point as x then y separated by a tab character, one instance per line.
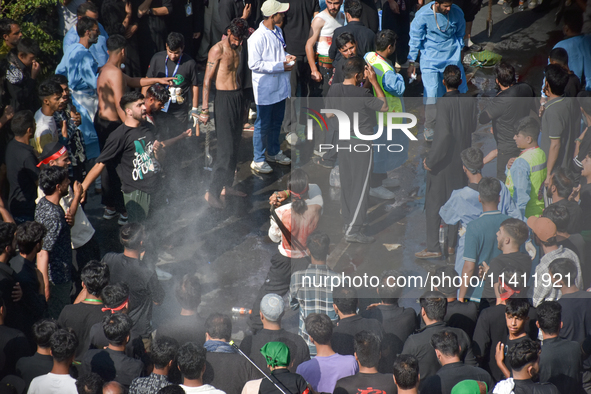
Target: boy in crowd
367	354
112	363
327	367
190	360
82	316
525	366
560	361
41	363
162	353
516	316
398	322
406	374
47	130
452	369
63	344
528	171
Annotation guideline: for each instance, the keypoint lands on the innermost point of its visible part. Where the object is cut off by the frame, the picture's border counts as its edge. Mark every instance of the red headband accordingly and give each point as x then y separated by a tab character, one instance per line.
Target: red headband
55	156
113	310
299	195
508	291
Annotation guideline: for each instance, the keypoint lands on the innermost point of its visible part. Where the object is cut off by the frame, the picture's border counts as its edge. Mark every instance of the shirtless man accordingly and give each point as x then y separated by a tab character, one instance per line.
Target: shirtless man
222	64
111	85
321	32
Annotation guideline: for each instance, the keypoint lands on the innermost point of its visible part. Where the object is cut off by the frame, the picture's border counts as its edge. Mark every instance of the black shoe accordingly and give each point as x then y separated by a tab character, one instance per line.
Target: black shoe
323	163
359	238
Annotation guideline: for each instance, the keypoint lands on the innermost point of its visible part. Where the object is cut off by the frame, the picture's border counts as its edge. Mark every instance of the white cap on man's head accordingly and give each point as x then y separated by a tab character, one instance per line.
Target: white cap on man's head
272	7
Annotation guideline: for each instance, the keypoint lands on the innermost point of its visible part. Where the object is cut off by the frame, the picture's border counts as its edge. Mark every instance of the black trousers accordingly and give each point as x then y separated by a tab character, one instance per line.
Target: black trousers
355	169
435	198
228	106
299	81
277	282
400	24
110	182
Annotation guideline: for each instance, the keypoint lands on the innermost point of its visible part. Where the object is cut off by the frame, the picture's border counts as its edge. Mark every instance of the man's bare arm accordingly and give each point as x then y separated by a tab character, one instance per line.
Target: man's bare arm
92	175
315	28
552	157
143	82
213	62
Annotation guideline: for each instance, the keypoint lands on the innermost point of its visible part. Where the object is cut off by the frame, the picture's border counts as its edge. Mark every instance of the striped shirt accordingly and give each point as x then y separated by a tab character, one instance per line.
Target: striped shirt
311	292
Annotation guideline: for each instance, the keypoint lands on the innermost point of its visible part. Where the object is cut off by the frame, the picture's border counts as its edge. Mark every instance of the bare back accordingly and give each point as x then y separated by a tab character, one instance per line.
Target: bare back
226	77
111	85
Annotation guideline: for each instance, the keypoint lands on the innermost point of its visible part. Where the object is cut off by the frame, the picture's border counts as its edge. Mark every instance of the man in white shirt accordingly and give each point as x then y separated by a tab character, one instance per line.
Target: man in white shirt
46	129
63	347
191	362
271	66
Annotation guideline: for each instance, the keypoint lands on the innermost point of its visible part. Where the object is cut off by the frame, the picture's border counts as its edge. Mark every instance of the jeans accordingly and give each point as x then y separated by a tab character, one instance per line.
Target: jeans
267	127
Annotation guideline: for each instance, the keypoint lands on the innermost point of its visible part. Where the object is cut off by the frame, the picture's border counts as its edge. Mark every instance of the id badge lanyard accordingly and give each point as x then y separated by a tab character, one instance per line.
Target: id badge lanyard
176	69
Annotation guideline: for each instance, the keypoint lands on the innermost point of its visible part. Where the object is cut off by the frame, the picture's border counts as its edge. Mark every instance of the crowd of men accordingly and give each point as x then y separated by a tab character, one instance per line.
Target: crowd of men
122	110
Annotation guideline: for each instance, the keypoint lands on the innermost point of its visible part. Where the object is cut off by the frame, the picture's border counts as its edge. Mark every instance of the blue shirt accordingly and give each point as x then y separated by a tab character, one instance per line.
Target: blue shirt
520	173
98	50
481	237
393	83
579	57
80	67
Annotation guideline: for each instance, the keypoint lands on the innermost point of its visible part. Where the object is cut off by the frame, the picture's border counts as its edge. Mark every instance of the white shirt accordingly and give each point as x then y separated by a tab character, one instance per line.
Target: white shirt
205	389
82	231
265	58
45	130
53	384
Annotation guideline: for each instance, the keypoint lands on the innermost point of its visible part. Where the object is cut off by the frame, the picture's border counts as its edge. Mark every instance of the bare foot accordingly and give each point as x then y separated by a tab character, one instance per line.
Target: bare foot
213	201
228	191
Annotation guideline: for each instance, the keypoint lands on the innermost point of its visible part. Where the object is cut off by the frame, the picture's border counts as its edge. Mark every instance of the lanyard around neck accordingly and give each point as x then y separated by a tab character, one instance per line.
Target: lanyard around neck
175	69
279	37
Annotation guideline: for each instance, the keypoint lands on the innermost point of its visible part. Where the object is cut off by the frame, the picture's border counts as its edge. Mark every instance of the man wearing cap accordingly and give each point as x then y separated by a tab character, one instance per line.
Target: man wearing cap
277	357
272	307
271	66
82	232
544	231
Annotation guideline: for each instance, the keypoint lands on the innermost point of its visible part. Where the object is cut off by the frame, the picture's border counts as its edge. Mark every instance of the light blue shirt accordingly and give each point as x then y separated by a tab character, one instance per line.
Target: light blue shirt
520	172
80	67
393	83
439	46
266	54
98	50
579	57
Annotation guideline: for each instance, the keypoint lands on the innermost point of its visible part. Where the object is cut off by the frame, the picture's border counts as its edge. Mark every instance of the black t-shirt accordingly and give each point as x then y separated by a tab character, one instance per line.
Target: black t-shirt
22	173
586	205
298	348
364	38
462	315
366	382
574	215
296	26
80	318
505	110
508	344
13	346
560	364
351	99
293	382
573	86
28	368
112	365
517	260
187	72
131	149
97	340
144	288
32	302
491	328
398	323
343	335
219	366
576	243
184	329
529	387
575	315
451	374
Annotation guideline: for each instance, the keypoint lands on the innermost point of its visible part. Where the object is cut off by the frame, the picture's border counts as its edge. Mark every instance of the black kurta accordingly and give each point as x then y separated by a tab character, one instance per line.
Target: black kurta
455	123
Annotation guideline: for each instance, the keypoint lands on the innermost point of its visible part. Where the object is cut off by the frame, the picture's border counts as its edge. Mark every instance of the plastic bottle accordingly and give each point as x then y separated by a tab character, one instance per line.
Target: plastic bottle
241	311
443	241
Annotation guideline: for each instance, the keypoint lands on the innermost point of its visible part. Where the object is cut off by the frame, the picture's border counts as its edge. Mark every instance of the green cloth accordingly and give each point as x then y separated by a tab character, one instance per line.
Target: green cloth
467	387
276	354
